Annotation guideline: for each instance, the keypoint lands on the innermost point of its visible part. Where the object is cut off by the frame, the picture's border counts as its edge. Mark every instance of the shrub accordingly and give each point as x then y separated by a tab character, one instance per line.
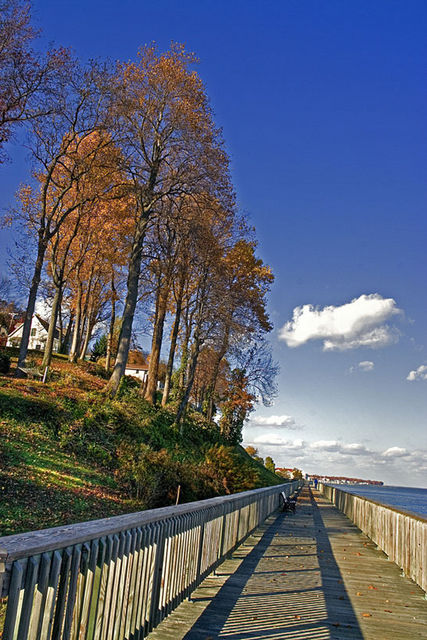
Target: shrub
4	363
227	471
150	475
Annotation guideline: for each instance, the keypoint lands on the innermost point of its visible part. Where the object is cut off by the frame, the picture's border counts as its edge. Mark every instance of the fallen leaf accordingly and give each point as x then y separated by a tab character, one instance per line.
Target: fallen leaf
297	617
388	611
367	615
359	593
371	587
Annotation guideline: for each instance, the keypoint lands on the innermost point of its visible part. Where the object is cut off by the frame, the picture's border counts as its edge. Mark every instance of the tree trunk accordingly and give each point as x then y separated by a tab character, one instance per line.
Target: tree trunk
66	341
23	348
111	330
76	334
212	383
156	344
172	349
60	326
194	354
88	333
129	310
47	357
184	355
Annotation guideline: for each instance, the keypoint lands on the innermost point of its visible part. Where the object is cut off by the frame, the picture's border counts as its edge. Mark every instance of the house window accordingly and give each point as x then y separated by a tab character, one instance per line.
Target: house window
33	332
38	347
136	370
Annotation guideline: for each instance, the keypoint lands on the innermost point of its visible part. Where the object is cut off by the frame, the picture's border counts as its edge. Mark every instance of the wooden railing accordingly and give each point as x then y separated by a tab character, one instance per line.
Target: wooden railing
402	536
118	577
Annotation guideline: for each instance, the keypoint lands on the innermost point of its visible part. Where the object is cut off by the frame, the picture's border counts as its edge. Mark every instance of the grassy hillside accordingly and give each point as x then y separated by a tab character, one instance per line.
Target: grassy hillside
67	453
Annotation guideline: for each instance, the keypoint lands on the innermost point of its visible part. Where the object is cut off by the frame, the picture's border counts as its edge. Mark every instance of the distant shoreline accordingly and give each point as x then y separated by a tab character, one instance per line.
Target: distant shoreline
411	499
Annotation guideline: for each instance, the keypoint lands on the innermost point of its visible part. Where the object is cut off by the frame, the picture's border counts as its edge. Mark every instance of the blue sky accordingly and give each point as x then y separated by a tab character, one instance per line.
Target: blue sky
323	107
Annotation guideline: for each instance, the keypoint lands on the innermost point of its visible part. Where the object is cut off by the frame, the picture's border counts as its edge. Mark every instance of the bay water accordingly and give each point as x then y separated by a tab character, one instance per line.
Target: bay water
409	499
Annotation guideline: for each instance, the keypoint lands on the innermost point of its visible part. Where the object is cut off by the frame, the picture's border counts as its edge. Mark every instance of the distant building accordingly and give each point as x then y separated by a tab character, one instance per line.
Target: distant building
285	471
38	335
341	480
136	365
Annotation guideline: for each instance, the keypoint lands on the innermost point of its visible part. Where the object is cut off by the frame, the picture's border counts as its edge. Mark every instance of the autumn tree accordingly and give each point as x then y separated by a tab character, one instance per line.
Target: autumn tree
269	464
209	236
59	166
243	316
254	357
30	83
236	406
251	451
165	247
89	239
171	147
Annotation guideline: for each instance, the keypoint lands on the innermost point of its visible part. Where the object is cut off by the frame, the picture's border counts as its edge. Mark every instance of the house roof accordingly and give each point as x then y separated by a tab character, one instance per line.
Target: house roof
136	360
44	323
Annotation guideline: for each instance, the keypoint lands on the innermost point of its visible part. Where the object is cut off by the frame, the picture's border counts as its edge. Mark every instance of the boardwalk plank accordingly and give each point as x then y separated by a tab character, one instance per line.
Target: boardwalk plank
311	576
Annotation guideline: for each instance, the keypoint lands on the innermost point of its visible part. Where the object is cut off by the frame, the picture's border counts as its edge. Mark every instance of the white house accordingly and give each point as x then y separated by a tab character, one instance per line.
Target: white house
136	365
38	335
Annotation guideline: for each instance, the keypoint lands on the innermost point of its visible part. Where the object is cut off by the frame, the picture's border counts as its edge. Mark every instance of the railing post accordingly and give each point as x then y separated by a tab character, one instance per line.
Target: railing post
118	577
200	552
157	576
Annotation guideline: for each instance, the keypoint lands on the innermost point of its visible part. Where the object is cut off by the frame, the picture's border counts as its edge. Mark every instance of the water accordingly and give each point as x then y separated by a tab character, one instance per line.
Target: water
405	498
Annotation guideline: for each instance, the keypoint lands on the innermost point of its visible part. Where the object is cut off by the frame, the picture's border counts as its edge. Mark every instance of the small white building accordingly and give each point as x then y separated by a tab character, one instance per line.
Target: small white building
136	365
38	335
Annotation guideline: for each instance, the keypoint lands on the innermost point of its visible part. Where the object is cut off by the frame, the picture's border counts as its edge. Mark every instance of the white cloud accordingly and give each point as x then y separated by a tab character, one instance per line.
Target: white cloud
333	446
273	439
347	459
396	452
287	422
418	374
365	365
359	323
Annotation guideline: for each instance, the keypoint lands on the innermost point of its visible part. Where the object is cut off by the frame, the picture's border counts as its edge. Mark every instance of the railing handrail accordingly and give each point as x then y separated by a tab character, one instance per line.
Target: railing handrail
30	543
403	512
401	535
119	577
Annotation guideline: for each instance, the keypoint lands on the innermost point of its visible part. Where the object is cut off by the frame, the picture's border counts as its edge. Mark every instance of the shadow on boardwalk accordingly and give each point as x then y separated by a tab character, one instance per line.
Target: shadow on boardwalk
288	586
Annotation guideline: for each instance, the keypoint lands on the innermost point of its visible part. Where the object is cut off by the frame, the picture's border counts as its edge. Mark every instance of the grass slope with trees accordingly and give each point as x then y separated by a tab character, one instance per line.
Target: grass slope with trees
130	227
69	453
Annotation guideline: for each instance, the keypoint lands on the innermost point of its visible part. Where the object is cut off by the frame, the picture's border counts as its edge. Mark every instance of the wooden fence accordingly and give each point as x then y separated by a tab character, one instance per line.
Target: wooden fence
117	578
402	536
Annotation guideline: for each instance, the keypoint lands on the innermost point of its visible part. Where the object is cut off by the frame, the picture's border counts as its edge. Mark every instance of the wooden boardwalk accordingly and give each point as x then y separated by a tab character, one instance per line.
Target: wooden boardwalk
311	576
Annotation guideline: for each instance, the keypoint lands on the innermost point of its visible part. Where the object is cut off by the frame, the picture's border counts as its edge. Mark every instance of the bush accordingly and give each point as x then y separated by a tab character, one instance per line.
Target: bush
154	476
4	363
151	476
227	472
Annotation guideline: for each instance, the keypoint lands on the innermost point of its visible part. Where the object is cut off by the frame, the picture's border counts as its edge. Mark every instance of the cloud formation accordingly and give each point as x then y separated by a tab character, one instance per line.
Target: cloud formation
359	323
395	452
353	448
350	459
365	365
275	440
284	421
418	374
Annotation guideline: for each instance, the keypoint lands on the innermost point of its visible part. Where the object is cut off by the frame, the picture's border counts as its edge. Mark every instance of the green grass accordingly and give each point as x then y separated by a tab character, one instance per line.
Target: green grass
59	447
42	485
60	452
